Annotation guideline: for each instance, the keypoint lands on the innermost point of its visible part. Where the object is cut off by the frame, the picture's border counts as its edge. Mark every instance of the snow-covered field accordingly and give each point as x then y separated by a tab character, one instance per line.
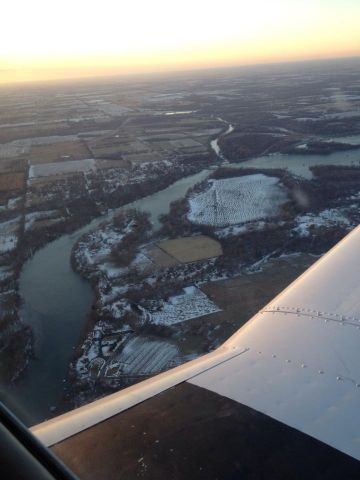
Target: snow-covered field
142	356
237	200
58	168
193	303
326	218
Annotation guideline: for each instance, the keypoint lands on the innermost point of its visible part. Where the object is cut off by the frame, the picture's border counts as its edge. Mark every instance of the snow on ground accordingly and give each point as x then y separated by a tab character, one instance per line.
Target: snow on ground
350	140
141	263
326	218
142	356
14	203
342	115
7	243
58	168
33	217
231	201
8	235
237	230
116	309
97	245
193	303
5	273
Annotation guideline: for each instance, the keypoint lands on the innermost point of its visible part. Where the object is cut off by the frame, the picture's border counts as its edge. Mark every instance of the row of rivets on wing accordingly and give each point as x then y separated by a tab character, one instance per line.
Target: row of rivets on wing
338	378
307	312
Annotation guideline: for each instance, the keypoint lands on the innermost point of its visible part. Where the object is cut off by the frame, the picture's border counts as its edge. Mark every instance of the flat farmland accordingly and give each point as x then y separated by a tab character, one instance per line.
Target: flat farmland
136	158
104	164
160	258
58	152
59	168
116	147
191	249
242	297
12	165
11	181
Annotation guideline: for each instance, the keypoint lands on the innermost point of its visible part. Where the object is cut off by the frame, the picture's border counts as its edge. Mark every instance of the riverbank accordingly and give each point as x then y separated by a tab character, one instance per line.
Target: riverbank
32	240
240	248
145	303
43	285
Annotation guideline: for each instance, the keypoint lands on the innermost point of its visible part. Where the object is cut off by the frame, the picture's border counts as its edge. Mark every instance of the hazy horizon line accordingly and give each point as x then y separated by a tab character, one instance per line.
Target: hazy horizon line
169	72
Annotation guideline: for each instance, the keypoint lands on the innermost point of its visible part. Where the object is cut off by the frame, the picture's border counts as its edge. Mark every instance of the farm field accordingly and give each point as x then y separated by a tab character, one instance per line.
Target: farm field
58	168
191	249
159	257
193	303
11	182
91	150
142	356
58	152
242	297
135	158
237	200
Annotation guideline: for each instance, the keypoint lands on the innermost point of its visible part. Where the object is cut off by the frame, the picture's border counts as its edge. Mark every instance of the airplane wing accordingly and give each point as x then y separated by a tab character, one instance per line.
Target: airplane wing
280	399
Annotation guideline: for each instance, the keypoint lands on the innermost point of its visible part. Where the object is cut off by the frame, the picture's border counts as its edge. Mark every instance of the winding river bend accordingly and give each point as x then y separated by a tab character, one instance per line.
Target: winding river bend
215	143
56	302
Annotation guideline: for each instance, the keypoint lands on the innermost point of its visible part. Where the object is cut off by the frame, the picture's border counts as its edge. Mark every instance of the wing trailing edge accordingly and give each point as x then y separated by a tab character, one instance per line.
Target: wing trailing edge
296	361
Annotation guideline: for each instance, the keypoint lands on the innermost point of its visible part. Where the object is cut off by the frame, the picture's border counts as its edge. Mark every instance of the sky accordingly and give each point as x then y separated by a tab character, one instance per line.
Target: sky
44	39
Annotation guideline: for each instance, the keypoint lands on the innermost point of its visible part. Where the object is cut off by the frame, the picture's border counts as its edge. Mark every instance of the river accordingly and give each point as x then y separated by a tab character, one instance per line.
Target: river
215	143
299	165
56	300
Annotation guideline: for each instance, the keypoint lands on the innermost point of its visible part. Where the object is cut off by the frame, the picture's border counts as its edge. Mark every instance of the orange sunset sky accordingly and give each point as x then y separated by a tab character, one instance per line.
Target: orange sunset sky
42	40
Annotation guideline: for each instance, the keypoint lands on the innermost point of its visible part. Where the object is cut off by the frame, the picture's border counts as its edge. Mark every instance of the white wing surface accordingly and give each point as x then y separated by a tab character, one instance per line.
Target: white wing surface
297	361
